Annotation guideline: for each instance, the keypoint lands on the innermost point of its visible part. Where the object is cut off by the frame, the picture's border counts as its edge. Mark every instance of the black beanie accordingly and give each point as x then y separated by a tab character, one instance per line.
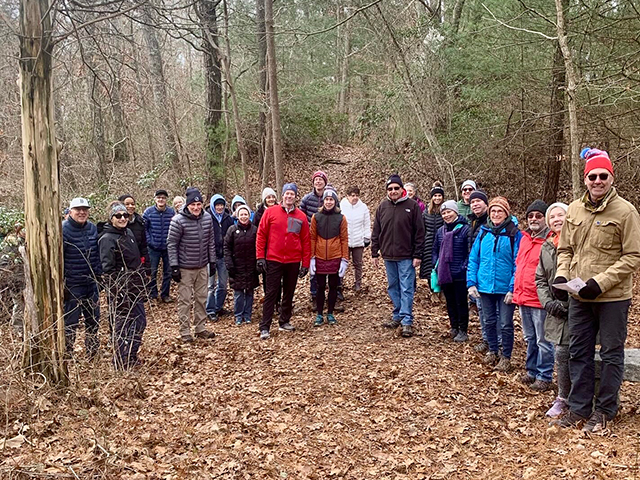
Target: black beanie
479	194
537	206
395	178
122	198
193	195
435	190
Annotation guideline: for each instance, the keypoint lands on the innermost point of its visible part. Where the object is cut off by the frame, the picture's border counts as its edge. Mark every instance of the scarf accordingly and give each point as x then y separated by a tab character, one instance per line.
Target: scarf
445	256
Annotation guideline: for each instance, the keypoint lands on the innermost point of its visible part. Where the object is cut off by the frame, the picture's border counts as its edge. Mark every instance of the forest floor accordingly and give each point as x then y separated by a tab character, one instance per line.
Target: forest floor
350	401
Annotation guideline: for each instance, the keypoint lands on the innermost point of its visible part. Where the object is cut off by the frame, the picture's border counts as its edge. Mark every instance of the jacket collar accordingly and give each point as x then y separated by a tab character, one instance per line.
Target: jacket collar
602	204
75	224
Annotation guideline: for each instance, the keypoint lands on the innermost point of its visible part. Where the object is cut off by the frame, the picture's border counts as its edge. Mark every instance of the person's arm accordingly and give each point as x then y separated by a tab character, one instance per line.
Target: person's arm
229	248
107	255
418	234
306	245
344	237
516	249
367	224
543	285
435	249
375	236
263	235
313	235
212	243
565	249
147	227
474	263
173	242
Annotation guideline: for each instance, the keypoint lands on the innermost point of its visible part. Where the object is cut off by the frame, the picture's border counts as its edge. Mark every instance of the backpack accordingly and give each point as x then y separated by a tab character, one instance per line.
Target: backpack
510	232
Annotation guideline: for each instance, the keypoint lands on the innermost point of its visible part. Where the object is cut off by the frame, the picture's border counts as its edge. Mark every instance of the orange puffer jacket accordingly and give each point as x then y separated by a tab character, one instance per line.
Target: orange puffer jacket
329	235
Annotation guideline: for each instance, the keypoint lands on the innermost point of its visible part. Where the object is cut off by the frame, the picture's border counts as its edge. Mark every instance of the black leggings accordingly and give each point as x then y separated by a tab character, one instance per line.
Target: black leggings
334	280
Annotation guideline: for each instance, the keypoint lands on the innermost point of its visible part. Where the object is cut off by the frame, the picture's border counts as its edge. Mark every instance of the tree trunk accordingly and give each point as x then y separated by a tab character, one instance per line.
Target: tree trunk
262	84
457	14
160	91
44	322
344	70
572	87
213	152
273	96
556	130
98	136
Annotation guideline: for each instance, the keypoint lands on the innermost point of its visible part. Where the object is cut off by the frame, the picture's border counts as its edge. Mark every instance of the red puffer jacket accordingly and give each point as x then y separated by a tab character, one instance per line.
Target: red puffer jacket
284	237
524	291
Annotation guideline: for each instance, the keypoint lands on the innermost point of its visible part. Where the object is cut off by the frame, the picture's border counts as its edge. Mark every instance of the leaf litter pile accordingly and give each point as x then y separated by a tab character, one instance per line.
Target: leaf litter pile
347	401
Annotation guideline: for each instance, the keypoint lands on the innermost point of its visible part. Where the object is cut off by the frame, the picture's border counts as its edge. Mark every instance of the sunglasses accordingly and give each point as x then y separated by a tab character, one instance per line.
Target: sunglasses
391	189
121	215
467	189
535	215
593	176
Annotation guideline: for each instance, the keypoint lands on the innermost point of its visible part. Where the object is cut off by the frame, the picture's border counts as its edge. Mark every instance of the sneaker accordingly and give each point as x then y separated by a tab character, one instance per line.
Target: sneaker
569	420
504	365
331	320
526	379
318	321
238	322
558	409
264	335
491	358
187	339
461	337
453	333
597	422
481	347
540	386
206	334
247	320
287	327
407	331
391	323
167	300
213	317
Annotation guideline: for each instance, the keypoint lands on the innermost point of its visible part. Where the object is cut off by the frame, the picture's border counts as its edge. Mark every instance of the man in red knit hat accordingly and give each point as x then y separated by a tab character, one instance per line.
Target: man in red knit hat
599	243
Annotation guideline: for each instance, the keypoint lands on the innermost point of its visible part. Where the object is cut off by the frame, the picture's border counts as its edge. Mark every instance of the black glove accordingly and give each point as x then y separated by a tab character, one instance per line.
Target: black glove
261	265
561	295
175	274
303	271
556	308
212	269
367	243
591	290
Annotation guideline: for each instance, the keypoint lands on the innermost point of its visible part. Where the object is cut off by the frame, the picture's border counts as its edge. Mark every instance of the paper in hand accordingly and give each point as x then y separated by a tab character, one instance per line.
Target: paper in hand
572	286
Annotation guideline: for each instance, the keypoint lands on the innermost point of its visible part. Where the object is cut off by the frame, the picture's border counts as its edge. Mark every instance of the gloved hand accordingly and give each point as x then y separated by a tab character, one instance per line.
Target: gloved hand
556	308
175	274
312	267
261	265
344	263
508	298
212	269
303	271
367	242
473	292
591	290
562	295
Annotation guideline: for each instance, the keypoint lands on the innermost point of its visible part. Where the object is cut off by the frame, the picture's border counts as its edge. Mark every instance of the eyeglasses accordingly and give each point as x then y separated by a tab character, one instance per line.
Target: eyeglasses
391	189
593	176
536	215
467	189
121	215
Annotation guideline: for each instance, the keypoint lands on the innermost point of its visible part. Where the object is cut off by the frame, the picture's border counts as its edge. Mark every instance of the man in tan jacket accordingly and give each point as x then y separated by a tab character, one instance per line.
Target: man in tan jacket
599	243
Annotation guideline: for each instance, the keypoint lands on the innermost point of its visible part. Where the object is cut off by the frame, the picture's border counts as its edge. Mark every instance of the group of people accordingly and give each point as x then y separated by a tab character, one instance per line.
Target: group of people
472	251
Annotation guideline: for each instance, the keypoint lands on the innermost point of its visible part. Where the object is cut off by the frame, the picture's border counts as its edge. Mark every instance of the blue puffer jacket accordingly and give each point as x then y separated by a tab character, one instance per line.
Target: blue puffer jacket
458	265
492	261
220	226
310	204
157	226
81	254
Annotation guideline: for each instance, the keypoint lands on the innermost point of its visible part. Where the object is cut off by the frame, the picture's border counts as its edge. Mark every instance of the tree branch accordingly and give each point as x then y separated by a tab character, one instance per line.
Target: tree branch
517	28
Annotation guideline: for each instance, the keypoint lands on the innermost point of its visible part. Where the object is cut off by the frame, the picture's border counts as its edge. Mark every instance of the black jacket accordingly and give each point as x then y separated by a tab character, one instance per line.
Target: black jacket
432	222
240	256
137	227
398	230
475	223
258	215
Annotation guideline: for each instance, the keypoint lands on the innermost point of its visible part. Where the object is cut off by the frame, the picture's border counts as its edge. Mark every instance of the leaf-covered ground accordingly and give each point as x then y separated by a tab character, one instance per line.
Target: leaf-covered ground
350	401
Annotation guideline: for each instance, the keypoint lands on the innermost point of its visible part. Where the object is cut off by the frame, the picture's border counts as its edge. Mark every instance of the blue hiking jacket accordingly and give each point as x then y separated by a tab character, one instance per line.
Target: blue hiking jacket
81	254
157	226
220	227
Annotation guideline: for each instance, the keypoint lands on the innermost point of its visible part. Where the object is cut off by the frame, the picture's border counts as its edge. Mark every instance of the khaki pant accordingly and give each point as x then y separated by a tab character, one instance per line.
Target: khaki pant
193	285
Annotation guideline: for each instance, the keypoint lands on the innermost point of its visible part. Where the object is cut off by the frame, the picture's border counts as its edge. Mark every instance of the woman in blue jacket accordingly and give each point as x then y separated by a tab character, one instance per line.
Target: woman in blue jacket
490	277
450	254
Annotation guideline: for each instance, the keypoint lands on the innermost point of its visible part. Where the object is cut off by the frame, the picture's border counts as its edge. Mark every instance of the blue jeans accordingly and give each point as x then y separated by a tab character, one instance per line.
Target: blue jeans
481	318
401	278
494	308
217	288
243	304
155	256
82	299
540	354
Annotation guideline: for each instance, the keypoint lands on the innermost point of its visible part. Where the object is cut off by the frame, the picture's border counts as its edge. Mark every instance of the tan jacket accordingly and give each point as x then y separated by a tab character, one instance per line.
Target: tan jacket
602	243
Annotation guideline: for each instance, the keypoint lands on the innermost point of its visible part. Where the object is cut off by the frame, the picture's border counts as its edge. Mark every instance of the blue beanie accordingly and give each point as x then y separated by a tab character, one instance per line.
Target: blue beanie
290	186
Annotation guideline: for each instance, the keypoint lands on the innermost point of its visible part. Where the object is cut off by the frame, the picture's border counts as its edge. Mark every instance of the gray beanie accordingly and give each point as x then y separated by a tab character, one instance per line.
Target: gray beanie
450	205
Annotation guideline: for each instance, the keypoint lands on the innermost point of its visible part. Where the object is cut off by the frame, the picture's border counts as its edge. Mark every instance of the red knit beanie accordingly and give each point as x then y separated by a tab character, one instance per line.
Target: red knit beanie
596	159
322	175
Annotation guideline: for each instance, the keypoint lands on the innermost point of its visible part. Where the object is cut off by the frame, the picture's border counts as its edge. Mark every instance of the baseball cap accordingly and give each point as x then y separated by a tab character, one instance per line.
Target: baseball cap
79	202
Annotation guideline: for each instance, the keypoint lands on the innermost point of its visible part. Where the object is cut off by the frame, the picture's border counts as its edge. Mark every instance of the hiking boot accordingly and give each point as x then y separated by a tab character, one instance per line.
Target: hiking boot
264	335
206	334
569	420
504	365
453	333
461	337
407	331
318	321
247	320
187	339
597	423
540	386
393	323
331	320
481	347
167	300
212	317
490	358
238	322
558	409
287	327
526	379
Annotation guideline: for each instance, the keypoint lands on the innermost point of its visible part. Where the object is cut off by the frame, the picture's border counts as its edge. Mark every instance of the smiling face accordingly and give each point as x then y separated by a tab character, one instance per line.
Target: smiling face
219	208
195	208
556	219
177	204
161	202
411	192
449	215
466	193
598	182
536	221
319	184
394	191
130	203
243	216
329	203
353	198
270	201
478	207
120	220
79	214
497	215
437	199
289	198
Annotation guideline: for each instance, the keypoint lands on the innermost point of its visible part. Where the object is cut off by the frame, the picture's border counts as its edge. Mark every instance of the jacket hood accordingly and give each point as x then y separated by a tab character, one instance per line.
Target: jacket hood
212	202
345	204
236	199
109	228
